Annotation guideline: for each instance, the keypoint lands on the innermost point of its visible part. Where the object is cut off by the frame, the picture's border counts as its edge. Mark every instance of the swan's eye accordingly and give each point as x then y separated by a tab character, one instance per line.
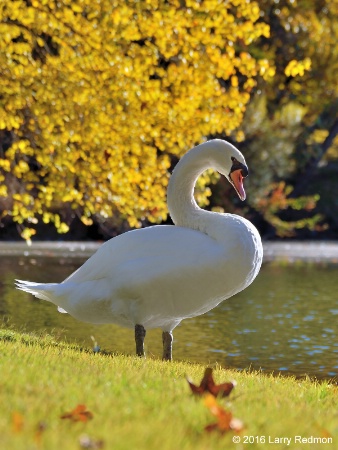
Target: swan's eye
236	165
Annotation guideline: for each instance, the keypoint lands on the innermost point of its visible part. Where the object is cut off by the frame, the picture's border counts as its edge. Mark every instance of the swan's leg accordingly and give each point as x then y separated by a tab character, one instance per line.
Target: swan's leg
140	334
167	339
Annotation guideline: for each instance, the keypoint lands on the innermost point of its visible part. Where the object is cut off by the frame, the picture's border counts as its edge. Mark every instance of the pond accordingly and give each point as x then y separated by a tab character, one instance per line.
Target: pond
286	321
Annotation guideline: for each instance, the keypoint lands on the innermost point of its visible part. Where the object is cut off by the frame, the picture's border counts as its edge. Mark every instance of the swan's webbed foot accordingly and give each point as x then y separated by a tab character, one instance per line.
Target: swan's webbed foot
140	334
167	339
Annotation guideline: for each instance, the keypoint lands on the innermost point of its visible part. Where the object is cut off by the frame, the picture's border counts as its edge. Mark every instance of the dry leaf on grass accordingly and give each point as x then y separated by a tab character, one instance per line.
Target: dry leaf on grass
39	430
17	422
78	414
225	420
208	385
89	443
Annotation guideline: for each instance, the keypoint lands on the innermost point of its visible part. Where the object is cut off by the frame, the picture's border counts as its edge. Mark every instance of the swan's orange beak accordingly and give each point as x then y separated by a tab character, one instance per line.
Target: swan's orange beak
236	178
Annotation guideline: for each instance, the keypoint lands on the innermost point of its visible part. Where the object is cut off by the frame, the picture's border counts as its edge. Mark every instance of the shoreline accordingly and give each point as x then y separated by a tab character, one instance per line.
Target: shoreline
287	251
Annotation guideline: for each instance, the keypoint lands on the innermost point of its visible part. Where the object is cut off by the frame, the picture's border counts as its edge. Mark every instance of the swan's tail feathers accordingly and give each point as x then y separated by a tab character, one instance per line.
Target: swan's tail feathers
45	291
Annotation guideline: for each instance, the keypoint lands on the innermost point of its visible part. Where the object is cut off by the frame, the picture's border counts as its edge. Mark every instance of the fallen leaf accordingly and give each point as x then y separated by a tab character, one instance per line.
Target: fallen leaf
86	442
78	414
208	385
40	428
17	422
225	420
324	432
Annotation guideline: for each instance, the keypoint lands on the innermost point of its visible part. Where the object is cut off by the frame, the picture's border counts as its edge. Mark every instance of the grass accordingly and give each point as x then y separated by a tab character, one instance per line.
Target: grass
146	404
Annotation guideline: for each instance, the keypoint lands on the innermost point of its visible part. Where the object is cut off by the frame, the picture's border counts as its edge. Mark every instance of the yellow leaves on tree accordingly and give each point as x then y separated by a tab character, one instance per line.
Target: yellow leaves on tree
95	96
295	68
304	44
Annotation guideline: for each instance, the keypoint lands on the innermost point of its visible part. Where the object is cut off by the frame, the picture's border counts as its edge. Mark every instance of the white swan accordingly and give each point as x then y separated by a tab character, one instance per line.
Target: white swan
157	276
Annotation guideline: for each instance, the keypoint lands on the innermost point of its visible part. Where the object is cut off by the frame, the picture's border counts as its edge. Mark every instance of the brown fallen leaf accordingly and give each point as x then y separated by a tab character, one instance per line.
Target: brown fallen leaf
225	420
208	385
40	429
78	414
87	442
17	422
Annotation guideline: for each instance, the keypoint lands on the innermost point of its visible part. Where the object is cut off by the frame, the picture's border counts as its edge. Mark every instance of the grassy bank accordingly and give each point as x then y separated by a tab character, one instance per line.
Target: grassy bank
147	404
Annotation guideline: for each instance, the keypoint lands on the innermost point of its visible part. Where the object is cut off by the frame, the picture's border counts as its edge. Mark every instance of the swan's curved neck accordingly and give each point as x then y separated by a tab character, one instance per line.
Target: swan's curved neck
182	206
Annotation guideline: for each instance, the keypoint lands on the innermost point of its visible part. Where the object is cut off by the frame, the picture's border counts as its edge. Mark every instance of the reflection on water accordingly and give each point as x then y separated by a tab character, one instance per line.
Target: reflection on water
284	322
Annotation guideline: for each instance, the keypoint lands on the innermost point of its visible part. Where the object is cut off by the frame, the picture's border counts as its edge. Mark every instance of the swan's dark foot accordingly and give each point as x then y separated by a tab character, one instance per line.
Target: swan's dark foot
140	334
167	339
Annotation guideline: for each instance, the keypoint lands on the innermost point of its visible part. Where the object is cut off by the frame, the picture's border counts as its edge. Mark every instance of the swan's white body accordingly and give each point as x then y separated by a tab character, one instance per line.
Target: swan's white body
163	274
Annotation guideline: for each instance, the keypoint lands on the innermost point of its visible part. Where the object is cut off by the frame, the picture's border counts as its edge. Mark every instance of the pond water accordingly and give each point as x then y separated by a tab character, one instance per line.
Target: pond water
286	321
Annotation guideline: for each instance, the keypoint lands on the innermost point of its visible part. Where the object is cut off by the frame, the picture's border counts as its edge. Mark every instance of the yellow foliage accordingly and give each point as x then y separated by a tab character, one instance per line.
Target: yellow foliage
27	233
99	94
3	191
295	68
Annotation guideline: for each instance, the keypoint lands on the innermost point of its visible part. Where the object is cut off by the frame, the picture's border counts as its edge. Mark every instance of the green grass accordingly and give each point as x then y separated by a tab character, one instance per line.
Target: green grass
146	404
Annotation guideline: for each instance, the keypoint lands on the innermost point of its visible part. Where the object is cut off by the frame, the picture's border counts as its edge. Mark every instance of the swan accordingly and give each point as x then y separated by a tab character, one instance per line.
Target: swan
157	276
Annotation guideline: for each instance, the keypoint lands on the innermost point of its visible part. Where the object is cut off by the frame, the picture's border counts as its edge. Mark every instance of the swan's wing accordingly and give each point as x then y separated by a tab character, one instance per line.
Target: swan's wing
151	276
147	252
147	262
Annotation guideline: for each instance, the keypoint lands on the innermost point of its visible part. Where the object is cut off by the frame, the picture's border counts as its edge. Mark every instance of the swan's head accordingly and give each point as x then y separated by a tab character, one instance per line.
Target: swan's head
230	162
